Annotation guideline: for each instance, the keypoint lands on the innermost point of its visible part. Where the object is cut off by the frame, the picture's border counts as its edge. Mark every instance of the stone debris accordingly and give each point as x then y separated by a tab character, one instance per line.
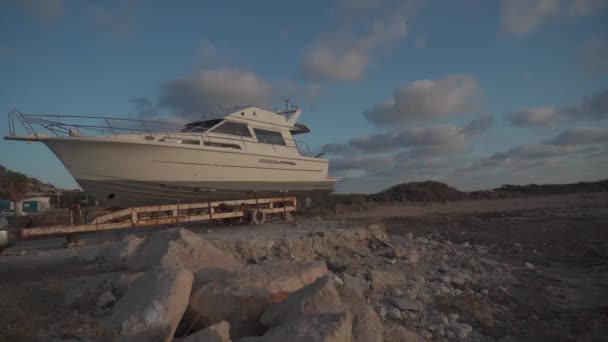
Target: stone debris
219	332
366	288
385	278
356	284
241	299
406	304
461	330
105	302
326	327
393	313
319	297
180	248
152	308
529	266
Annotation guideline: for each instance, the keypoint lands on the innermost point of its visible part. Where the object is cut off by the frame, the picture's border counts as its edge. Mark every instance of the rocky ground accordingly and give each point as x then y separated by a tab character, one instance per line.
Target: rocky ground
504	273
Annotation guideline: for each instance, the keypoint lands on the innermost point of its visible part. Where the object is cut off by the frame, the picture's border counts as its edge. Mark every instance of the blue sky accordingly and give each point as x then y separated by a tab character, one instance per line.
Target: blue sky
532	74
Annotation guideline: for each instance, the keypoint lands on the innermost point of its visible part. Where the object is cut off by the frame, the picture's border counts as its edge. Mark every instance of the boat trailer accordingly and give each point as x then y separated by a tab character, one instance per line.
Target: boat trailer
254	210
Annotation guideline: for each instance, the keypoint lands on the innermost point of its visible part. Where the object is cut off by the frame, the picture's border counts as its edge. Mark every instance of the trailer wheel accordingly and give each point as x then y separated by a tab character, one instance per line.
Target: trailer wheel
258	217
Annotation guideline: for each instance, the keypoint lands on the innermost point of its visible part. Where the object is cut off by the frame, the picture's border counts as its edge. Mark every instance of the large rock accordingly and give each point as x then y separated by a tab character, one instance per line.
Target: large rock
319	297
219	332
119	252
356	284
385	278
398	333
406	304
242	297
152	308
327	327
366	325
181	248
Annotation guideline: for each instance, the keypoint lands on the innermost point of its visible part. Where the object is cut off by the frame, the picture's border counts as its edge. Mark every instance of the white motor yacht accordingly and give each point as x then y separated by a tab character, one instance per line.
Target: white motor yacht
247	151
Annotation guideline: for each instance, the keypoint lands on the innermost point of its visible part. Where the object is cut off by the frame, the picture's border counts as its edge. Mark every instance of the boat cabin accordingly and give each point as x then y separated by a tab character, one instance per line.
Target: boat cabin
247	128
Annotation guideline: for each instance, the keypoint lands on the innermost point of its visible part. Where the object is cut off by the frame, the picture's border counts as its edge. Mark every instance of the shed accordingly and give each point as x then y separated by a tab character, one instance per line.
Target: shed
35	205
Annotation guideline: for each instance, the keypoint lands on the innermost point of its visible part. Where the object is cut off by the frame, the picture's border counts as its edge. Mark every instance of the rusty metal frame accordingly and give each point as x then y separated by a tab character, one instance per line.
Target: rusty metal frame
137	217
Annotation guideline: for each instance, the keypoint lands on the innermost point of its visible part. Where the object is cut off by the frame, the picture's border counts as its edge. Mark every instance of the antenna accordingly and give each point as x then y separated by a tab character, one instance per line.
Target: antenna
222	108
286	104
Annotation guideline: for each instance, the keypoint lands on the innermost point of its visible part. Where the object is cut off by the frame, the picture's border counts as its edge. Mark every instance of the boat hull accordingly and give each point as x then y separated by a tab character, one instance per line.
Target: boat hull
125	173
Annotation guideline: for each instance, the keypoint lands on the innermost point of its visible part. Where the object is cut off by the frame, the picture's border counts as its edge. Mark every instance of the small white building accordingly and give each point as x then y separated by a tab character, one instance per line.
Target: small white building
35	205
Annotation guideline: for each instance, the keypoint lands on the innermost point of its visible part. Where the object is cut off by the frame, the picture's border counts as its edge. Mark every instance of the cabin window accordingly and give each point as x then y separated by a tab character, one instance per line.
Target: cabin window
269	137
233	128
200	126
216	144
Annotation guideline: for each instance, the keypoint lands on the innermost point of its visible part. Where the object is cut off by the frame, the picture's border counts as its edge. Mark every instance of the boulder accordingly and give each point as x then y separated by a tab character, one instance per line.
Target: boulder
406	304
242	297
398	252
326	327
219	332
366	325
152	308
180	248
119	252
385	278
316	298
398	333
356	284
461	330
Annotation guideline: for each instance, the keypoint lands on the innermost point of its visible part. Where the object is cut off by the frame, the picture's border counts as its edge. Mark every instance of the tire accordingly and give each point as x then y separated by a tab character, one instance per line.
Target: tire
258	217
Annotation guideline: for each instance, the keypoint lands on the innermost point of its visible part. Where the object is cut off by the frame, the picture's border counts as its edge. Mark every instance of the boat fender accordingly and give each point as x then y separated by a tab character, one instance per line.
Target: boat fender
258	217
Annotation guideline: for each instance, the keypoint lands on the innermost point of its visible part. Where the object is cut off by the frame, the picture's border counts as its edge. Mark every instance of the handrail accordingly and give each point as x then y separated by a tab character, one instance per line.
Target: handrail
56	125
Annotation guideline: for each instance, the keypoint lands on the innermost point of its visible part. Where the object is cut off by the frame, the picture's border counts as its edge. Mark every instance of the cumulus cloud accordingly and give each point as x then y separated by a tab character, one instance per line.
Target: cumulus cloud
587	7
521	17
426	100
365	163
594	107
206	90
581	136
529	152
593	56
430	136
345	54
44	11
535	116
430	140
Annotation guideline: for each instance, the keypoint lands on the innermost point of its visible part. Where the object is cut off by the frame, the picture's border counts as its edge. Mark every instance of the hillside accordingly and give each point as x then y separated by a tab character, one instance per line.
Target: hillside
35	185
432	191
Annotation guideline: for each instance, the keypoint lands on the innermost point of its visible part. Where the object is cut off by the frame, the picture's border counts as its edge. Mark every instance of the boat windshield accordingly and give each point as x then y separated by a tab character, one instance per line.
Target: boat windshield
199	126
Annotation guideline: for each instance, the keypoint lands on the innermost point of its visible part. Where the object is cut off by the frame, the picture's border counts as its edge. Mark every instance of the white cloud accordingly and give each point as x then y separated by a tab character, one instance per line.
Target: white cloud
206	90
521	17
581	136
535	116
594	107
346	53
587	7
427	100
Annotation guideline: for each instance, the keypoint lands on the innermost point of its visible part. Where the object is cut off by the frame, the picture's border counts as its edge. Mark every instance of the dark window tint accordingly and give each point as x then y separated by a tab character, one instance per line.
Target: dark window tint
269	137
233	128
